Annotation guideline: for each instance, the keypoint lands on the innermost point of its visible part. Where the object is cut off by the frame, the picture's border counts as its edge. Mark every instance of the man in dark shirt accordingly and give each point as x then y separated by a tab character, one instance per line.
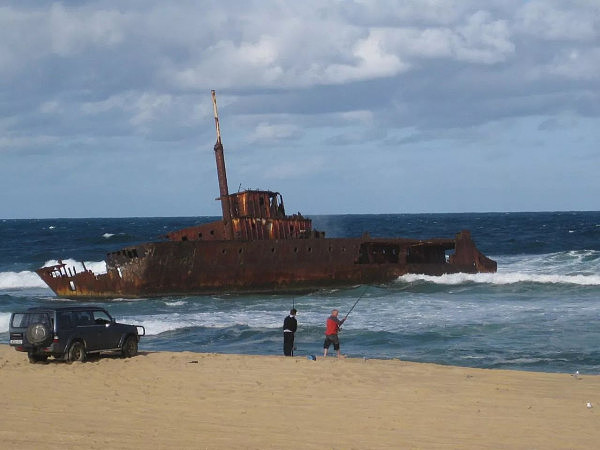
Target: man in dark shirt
290	324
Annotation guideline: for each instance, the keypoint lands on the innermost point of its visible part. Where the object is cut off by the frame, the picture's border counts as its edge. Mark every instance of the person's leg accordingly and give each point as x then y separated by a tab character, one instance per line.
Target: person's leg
287	344
292	348
325	347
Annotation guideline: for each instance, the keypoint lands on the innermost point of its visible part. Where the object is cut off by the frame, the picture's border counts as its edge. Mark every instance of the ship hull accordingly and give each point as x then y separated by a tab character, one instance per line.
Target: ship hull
264	266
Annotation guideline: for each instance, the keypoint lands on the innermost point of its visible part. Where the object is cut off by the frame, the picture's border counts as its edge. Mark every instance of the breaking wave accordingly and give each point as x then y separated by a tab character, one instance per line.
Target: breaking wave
575	267
98	267
20	280
28	279
161	323
503	278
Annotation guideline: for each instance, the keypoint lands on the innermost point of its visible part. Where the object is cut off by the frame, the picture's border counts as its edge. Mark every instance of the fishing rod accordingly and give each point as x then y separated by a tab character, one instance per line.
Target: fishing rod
355	303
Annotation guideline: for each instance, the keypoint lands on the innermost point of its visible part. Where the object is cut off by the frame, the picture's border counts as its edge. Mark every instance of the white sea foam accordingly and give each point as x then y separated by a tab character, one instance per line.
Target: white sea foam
20	280
27	279
4	318
160	323
129	300
176	303
578	267
98	267
564	262
503	278
108	235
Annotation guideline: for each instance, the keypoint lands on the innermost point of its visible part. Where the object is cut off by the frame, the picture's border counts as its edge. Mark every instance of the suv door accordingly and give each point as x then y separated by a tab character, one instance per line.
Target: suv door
108	332
66	322
86	329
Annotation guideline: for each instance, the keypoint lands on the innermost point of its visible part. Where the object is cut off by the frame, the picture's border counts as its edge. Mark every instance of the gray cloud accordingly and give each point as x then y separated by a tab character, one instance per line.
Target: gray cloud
307	88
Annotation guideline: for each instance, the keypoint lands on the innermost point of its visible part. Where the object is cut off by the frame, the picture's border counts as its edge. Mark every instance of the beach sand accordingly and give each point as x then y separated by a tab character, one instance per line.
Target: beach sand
193	400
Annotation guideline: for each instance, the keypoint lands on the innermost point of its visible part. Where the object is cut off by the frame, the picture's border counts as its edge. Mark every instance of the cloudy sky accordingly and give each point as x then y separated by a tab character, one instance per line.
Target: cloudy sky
342	106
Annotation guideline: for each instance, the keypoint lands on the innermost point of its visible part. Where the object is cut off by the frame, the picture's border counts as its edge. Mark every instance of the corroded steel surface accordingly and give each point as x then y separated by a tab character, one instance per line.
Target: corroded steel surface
202	267
256	247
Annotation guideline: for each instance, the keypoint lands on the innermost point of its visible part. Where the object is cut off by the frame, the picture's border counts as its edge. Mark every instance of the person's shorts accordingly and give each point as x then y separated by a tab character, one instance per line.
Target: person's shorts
331	339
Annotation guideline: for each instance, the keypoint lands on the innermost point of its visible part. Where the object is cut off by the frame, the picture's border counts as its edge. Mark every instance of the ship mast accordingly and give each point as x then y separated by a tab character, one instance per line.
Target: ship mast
222	175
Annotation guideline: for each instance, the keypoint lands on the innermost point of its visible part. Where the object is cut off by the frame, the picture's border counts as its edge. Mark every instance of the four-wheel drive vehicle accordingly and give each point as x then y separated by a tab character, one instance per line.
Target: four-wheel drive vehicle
70	333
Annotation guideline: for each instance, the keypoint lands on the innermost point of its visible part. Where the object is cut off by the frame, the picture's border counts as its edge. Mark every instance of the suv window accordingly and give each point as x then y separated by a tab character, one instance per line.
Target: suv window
82	318
100	317
23	320
65	320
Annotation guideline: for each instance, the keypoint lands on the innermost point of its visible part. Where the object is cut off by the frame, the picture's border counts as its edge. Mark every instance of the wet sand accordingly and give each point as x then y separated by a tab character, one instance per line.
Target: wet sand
193	400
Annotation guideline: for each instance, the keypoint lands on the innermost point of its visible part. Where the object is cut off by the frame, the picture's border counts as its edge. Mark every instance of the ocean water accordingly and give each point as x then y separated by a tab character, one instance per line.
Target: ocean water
540	311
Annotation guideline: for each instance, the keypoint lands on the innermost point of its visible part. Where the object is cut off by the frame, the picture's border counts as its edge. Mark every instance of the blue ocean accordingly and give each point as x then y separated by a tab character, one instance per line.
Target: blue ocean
540	311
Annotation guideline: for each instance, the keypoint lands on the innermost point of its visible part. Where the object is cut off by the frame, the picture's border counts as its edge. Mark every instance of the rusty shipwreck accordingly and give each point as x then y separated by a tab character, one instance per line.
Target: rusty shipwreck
257	248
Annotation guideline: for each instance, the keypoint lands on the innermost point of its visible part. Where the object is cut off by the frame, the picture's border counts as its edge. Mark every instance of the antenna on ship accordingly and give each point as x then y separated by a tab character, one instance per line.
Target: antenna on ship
222	174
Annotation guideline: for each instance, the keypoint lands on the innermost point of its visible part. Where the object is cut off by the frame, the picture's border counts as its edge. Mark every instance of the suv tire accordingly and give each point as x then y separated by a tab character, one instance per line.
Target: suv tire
39	334
76	352
130	347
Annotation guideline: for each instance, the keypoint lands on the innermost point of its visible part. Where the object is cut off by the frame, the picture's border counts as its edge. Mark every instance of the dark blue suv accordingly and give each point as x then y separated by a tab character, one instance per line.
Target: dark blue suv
70	333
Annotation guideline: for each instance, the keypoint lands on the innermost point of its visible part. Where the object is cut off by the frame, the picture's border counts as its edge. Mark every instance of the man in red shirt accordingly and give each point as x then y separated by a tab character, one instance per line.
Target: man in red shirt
331	333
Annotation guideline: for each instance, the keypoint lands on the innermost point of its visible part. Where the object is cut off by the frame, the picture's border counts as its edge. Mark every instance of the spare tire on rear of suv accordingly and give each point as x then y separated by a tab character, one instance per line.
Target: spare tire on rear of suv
39	334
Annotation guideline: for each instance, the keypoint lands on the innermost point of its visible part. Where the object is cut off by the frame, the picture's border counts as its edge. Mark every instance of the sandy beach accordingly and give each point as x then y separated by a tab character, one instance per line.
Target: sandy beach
193	400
